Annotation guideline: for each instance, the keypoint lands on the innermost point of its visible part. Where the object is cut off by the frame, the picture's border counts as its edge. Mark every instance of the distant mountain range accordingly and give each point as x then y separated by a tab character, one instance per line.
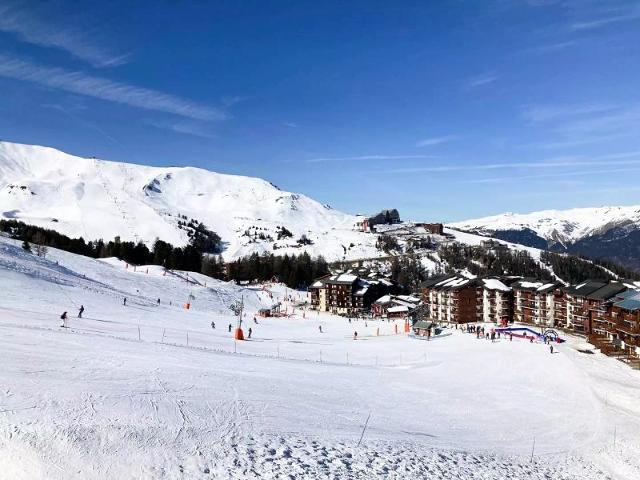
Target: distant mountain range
93	199
611	233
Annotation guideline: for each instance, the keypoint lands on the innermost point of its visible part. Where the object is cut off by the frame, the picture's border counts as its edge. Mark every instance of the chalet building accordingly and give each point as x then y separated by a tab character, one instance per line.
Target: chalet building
348	292
452	298
433	228
587	303
385	217
496	300
492	244
535	302
395	306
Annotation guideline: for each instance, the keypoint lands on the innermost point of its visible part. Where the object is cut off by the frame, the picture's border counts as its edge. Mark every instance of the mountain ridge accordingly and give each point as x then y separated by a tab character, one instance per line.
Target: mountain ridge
610	232
92	198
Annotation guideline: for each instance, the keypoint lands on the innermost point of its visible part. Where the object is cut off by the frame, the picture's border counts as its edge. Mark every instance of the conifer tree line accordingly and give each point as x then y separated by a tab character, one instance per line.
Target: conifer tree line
197	256
200	255
296	271
299	271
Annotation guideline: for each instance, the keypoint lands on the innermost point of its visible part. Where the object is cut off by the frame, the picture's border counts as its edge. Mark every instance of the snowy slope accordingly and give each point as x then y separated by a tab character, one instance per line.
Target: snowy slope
102	199
151	391
564	226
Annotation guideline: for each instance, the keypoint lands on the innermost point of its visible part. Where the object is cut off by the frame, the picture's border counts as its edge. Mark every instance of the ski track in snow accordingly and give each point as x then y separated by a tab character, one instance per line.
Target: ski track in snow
94	401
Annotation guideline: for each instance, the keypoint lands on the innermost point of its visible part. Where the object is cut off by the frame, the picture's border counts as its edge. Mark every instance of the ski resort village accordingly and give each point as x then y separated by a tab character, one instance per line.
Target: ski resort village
295	341
319	240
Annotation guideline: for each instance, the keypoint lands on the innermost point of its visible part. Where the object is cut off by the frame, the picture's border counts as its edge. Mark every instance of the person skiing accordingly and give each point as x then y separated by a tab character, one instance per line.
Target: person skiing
249	332
255	320
213	325
63	317
229	328
320	328
355	335
124	302
80	311
158	301
551	349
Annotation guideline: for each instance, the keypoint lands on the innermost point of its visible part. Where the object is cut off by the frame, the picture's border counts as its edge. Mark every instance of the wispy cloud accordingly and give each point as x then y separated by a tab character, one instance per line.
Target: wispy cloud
626	158
428	142
626	16
568	126
551	47
542	113
290	124
69	112
29	28
577	173
186	127
104	89
229	101
481	80
366	157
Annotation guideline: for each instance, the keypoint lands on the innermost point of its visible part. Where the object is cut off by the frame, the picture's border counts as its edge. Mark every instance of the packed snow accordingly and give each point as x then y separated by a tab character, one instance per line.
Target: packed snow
151	390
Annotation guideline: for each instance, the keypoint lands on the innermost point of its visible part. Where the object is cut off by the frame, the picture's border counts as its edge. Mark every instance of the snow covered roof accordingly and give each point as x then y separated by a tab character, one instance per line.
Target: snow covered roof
398	309
495	284
383	300
345	278
408	298
362	291
535	286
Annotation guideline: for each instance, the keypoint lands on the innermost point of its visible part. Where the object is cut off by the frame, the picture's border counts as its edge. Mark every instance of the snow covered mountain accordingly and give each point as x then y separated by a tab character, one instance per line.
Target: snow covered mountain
103	199
605	232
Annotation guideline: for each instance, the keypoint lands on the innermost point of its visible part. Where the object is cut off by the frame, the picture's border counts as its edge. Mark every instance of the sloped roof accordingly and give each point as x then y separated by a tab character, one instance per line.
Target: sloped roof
495	284
607	291
585	288
630	300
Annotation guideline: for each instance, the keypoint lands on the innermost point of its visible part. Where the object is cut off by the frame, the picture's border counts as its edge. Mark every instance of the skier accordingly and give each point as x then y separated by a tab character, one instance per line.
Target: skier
320	328
124	302
80	311
213	325
229	328
63	317
255	320
158	301
355	335
249	332
551	349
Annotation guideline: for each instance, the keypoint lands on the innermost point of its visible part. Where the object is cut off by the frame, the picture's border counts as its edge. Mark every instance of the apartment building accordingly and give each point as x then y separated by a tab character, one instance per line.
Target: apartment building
496	298
536	302
452	298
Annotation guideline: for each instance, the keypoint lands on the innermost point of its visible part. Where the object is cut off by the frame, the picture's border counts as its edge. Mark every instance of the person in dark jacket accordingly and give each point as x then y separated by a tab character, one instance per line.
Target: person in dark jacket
80	311
63	317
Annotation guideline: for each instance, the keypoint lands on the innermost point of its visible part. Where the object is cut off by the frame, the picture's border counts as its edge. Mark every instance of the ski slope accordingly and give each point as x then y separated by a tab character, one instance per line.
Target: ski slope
152	391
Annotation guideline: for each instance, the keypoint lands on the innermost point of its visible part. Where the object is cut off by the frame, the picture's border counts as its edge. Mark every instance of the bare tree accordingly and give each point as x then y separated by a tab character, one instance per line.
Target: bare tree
40	243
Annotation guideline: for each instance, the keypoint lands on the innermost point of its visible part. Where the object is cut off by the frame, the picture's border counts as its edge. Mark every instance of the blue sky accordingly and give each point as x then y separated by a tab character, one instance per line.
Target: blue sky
445	110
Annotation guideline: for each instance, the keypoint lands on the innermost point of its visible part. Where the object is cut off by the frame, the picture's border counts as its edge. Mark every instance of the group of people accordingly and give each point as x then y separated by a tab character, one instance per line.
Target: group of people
493	335
64	316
